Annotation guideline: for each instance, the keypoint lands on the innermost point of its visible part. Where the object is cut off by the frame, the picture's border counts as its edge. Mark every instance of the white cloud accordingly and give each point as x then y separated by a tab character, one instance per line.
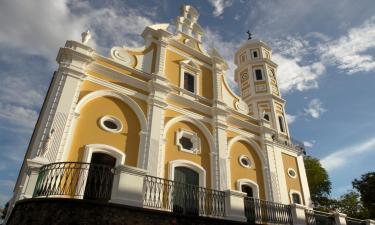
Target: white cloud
40	27
20	90
290	118
18	115
220	5
294	76
309	144
351	51
212	39
315	108
340	158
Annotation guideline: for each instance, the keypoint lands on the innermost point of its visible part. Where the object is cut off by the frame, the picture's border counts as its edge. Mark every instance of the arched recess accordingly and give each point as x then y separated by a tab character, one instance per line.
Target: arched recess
262	184
188	164
250	183
208	137
125	100
107	149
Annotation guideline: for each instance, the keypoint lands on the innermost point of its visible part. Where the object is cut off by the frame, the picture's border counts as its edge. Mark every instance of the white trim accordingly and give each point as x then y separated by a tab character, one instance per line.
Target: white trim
247	159
127	100
250	183
191	68
262	157
107	149
207	134
291	192
196	149
104	93
294	171
188	164
112	119
254	74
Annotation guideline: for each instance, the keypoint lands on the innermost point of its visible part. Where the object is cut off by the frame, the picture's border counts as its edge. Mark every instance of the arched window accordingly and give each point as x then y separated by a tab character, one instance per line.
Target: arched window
296	198
248	190
266	117
281	124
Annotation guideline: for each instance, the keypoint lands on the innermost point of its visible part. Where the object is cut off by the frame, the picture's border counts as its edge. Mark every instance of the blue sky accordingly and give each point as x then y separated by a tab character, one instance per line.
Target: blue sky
325	51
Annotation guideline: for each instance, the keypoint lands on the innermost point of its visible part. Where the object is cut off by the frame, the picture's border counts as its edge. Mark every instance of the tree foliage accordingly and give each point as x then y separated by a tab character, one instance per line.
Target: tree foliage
319	183
366	187
351	205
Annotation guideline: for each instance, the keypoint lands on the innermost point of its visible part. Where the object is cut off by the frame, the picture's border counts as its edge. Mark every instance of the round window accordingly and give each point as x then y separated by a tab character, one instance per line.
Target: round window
111	124
292	173
244	161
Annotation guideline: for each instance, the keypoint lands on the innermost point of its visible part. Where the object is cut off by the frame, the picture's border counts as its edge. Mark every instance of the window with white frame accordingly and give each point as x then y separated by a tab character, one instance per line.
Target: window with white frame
292	173
110	123
296	198
189	82
189	76
258	74
255	54
188	141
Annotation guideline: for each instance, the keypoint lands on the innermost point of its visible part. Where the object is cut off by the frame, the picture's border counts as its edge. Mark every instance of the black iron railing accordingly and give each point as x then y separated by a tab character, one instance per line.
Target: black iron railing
261	212
353	221
292	143
319	218
75	180
183	198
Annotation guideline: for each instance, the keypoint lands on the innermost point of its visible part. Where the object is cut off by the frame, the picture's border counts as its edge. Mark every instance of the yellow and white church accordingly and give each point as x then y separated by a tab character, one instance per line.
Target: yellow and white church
167	109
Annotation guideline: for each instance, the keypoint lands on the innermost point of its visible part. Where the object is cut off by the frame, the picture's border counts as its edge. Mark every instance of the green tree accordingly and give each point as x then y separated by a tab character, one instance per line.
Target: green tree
319	183
350	204
366	187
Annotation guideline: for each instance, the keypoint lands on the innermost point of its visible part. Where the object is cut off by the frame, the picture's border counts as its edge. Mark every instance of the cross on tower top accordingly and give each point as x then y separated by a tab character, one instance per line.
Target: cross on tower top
250	34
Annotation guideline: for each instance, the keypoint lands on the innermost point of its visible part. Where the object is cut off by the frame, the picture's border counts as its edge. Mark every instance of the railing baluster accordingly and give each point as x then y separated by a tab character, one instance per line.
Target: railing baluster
183	198
75	179
260	211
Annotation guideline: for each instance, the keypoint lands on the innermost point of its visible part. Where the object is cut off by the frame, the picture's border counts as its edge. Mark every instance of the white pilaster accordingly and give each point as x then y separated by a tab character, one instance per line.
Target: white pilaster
280	171
304	183
156	107
274	191
219	155
73	60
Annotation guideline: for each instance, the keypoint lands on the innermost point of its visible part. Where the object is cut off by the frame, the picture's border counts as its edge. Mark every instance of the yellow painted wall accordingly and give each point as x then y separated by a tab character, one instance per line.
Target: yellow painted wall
88	87
88	130
292	183
173	153
238	172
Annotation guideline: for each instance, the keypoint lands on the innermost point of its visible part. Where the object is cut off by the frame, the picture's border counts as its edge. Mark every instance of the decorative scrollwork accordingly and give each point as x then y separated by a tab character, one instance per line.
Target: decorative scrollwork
123	56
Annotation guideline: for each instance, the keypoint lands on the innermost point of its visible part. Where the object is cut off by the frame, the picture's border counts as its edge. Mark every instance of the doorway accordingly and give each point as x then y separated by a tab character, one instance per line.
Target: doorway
186	192
100	177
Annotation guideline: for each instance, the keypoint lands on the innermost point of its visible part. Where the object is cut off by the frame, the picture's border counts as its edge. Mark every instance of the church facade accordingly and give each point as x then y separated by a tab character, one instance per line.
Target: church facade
167	110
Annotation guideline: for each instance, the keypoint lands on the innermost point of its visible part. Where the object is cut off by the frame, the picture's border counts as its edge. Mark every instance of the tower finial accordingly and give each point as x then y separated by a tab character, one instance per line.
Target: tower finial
248	33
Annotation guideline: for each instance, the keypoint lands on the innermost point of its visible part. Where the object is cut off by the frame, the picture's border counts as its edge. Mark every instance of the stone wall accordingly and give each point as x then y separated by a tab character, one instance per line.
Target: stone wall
53	211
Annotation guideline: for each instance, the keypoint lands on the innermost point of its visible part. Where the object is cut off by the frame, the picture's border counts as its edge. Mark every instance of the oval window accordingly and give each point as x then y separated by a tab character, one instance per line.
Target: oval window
111	124
244	161
292	173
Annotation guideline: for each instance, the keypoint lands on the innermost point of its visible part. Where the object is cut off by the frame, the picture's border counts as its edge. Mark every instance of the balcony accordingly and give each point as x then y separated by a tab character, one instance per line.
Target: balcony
74	184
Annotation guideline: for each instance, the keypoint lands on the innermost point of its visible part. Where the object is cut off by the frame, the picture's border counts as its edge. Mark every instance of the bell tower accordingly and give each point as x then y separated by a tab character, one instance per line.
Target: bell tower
256	78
